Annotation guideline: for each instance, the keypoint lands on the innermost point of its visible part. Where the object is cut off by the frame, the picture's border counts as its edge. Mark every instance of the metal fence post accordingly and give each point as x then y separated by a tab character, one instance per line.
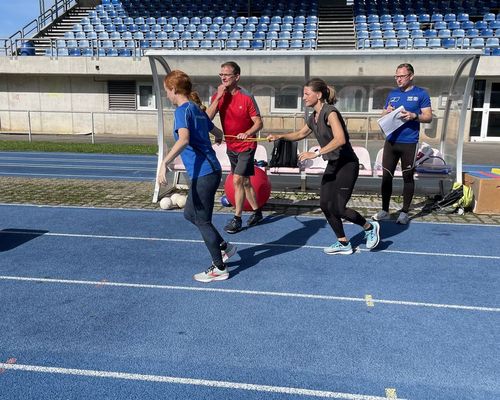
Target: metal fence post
29	126
93	133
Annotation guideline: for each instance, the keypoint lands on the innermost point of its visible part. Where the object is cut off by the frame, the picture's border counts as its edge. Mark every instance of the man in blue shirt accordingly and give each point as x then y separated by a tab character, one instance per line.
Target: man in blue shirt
402	143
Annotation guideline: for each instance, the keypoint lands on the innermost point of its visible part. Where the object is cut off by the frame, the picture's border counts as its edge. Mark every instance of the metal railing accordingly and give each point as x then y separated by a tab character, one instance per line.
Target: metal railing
33	27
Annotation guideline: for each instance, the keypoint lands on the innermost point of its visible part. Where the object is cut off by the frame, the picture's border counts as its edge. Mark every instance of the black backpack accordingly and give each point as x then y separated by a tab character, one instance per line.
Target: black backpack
284	154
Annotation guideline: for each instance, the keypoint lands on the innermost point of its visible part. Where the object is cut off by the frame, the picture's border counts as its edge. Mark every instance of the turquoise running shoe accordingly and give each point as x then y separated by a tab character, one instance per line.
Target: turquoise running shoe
339	248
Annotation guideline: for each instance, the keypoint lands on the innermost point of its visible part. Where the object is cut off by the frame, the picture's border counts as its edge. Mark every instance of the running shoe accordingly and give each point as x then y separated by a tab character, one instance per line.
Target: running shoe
338	248
255	218
381	215
403	218
212	274
229	252
233	226
373	236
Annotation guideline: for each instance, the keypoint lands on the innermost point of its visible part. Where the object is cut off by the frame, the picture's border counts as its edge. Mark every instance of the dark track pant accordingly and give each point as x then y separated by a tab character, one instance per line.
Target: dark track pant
199	209
393	152
335	191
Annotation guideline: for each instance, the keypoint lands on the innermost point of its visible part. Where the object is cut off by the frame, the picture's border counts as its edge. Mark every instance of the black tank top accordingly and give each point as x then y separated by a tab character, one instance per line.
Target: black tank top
324	135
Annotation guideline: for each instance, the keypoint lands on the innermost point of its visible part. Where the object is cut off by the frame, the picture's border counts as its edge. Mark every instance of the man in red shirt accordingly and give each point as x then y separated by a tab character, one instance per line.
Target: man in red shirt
240	119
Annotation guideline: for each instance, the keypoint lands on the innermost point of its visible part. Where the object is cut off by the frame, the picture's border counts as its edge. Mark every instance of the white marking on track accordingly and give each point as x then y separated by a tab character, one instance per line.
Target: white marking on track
191	382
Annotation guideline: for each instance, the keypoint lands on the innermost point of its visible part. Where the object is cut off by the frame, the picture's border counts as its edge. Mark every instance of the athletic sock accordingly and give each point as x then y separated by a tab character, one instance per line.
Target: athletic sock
369	229
223	246
344	242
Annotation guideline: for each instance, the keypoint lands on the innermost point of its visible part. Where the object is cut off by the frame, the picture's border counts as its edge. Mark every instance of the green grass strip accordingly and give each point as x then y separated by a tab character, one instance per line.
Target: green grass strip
102	148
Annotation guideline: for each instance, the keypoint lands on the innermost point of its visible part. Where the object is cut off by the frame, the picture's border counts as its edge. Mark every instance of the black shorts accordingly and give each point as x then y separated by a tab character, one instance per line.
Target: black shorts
242	163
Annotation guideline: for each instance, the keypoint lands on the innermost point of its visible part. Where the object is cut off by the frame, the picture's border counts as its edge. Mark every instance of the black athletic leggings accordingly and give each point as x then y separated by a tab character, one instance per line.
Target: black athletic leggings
393	152
335	191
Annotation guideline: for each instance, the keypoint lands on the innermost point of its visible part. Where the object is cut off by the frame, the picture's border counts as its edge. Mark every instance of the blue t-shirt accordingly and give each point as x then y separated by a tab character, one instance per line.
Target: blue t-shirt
198	157
413	100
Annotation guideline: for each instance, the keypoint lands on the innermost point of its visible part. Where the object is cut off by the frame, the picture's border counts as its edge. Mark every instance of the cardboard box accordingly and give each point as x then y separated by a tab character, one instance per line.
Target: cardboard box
486	188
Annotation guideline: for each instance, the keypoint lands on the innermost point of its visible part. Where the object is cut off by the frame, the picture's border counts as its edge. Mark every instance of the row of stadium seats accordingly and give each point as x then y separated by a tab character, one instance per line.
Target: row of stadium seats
385	26
71	36
194	28
428	34
130	48
472	7
491	46
94	19
425	18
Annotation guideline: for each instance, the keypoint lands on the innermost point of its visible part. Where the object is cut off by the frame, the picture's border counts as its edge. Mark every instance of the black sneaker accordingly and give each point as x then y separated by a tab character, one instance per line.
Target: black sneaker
233	226
255	218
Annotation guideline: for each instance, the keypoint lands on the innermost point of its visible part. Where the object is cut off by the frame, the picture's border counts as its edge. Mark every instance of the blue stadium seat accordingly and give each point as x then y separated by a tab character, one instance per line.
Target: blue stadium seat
183	20
259	35
214	28
449	43
403	34
496	52
222	35
80	35
419	43
391	44
174	35
206	44
494	24
489	17
244	44
424	18
210	35
454	25
311	27
375	34
359	18
284	35
115	35
139	21
417	33
372	18
444	33
481	25
450	17
234	35
398	18
389	34
257	44
218	20
377	44
400	25
486	33
136	35
300	19
231	44
405	43
361	43
440	25
186	35
195	20
103	35
202	28
283	44
169	44
288	19
247	35
477	43
430	33
252	20
198	35
229	20
411	18
309	44
462	17
91	35
87	52
385	18
250	27
437	17
193	44
296	44
310	35
434	43
387	26
206	21
492	42
472	33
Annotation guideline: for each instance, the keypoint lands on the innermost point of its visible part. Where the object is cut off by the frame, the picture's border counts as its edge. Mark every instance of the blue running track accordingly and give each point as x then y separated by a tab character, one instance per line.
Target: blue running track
100	304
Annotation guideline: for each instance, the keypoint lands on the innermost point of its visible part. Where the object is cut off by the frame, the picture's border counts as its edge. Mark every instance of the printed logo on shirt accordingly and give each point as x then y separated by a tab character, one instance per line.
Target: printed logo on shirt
394	99
412	98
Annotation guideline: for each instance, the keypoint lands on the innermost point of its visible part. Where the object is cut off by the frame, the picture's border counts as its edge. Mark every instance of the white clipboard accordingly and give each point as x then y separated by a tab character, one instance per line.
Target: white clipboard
392	121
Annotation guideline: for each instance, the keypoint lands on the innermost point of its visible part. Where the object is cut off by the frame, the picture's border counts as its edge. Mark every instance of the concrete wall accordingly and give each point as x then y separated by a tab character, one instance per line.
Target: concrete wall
61	94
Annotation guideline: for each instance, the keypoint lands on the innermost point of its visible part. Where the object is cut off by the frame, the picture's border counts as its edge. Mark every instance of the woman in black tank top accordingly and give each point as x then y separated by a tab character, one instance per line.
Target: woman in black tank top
342	169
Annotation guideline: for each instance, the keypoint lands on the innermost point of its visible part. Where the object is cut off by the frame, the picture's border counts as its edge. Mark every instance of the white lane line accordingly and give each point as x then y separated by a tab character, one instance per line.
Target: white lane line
252	244
86	167
92	161
141	178
247	292
191	382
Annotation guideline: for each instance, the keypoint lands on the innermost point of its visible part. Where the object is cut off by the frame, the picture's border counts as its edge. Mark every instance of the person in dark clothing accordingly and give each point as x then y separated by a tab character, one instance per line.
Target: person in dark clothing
342	169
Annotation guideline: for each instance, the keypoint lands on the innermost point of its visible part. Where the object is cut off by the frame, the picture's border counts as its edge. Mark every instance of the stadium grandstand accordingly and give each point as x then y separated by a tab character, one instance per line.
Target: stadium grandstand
81	67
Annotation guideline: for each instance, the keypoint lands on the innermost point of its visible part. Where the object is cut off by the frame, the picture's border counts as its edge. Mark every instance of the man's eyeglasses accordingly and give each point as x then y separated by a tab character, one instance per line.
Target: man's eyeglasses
401	76
226	75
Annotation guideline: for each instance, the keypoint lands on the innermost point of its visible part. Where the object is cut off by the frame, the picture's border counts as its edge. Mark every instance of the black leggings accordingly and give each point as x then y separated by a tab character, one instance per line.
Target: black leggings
393	152
335	191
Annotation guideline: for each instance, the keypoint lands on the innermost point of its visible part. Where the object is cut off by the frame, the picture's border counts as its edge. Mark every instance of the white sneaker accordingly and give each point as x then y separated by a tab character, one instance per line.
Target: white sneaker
229	252
381	215
403	218
212	274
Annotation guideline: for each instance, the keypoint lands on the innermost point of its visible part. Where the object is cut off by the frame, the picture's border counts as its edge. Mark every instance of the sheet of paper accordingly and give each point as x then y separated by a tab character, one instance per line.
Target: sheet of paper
392	121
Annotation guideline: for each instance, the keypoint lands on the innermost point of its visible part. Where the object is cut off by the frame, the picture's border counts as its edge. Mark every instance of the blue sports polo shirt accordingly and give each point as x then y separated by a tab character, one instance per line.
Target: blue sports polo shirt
198	157
413	100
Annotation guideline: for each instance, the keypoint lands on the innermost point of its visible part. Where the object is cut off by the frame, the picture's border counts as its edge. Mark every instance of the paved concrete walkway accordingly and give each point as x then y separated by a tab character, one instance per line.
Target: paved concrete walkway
128	194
